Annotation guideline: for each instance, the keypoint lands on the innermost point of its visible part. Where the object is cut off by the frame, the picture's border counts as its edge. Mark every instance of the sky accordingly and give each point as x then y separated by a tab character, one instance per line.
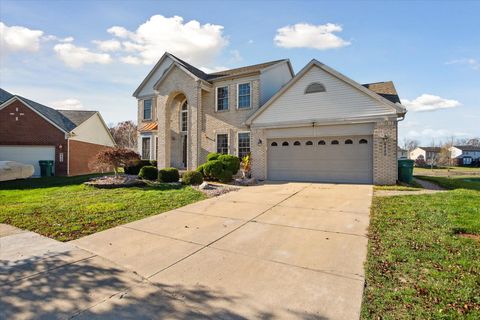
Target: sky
93	54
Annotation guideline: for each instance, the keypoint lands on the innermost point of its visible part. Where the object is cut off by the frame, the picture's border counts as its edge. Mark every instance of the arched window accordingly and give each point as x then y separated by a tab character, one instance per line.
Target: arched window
321	143
315	87
274	144
334	142
296	143
184	117
363	141
348	141
309	143
284	143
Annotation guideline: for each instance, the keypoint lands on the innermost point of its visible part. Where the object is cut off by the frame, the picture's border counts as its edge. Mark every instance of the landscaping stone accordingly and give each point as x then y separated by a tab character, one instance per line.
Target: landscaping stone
121	181
246	182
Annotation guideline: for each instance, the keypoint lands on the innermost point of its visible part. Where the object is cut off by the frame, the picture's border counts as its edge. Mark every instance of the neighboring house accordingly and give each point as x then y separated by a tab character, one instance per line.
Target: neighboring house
430	155
30	132
465	155
402	153
317	125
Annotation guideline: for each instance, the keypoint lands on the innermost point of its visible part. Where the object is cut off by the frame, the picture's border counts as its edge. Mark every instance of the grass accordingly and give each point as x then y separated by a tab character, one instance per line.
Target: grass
419	266
414	186
64	209
446	171
458	182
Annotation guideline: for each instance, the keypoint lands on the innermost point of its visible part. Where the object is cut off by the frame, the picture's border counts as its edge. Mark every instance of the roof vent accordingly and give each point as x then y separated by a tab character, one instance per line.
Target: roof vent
315	87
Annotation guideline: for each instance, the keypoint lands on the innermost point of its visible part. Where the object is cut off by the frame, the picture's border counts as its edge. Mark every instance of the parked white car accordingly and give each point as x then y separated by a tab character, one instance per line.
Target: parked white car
11	170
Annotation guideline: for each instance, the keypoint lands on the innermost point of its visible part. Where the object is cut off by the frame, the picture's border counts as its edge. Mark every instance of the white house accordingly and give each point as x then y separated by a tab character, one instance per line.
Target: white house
428	154
464	155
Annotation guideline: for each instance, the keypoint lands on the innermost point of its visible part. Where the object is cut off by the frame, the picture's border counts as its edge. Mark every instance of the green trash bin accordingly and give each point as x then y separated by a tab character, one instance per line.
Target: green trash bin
46	168
405	170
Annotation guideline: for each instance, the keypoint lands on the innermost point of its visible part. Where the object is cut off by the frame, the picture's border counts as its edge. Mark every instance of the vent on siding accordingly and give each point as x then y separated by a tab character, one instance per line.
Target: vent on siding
315	87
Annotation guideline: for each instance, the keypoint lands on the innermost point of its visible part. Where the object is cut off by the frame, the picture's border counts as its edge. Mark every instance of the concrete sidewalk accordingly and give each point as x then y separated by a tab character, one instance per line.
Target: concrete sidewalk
285	250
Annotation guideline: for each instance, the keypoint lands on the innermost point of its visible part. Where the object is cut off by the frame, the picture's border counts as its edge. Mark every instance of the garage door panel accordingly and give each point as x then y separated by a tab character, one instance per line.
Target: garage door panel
325	162
28	155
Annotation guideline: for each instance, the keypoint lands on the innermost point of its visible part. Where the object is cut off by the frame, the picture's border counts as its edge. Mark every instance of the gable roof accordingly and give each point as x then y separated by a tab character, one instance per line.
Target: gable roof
206	77
65	120
385	89
397	107
431	149
468	148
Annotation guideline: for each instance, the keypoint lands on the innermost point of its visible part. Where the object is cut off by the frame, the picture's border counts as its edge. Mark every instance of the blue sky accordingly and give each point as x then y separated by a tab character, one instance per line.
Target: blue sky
55	51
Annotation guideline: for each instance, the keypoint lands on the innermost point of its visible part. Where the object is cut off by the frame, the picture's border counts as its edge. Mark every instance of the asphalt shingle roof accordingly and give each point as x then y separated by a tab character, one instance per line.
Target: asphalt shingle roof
468	148
65	119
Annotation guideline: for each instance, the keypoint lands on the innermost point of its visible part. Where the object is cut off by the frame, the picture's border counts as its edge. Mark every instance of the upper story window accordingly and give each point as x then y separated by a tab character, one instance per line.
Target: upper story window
315	87
147	109
222	98
243	96
184	117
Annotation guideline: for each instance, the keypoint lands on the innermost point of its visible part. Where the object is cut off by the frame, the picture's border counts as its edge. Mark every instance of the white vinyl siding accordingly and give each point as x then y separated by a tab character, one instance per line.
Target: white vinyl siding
341	100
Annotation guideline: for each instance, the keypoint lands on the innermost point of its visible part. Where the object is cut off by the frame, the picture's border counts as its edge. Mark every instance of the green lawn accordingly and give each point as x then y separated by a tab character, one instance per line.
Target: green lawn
458	182
447	171
65	209
400	187
419	266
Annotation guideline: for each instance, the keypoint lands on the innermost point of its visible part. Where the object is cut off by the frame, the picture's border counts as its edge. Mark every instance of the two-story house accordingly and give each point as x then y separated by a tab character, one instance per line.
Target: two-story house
430	155
317	125
465	155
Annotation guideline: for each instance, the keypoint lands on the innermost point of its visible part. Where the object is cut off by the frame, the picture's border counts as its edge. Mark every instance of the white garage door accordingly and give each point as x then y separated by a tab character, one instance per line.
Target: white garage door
330	159
28	155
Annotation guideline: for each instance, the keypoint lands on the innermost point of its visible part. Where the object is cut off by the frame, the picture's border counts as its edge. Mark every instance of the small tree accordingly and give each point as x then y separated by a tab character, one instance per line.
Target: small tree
114	158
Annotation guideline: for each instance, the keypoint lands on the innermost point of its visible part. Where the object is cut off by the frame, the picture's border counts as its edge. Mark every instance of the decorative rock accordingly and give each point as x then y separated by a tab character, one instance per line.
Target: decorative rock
204	185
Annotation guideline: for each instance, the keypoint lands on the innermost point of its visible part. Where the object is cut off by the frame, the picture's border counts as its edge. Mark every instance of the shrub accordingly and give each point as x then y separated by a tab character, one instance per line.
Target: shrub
200	169
135	167
168	175
225	176
192	178
213	156
230	163
148	173
212	169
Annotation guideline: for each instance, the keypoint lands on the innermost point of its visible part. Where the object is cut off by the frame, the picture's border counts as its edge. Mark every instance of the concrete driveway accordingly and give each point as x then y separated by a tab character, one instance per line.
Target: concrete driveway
285	250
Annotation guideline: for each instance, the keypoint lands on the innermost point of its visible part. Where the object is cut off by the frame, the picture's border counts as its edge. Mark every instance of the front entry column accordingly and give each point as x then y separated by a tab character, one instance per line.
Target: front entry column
163	116
195	125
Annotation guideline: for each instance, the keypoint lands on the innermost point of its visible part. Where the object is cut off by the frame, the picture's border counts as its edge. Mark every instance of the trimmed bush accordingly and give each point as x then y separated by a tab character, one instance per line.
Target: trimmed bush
230	163
148	173
213	156
192	178
200	169
212	169
225	176
137	165
168	175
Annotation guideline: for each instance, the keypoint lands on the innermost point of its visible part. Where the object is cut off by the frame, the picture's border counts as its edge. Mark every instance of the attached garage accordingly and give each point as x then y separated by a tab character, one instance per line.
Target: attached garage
324	159
27	155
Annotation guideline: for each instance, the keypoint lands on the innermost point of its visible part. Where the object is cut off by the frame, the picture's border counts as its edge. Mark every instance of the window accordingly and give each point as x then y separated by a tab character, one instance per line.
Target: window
147	109
146	148
363	141
243	96
315	87
296	143
243	144
222	143
334	141
309	143
184	118
60	157
348	141
285	143
274	144
222	98
321	143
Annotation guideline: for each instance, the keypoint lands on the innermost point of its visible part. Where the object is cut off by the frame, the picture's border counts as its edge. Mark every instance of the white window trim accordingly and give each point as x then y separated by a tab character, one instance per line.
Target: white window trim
151	109
149	147
228	141
238	96
216	98
238	142
181	117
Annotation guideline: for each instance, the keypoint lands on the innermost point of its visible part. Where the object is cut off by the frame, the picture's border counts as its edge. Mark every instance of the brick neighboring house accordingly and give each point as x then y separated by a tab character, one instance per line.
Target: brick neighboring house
318	125
30	132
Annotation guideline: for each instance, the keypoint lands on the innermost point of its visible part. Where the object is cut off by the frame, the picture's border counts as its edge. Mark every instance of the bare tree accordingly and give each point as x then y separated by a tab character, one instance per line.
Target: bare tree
474	142
410	144
125	134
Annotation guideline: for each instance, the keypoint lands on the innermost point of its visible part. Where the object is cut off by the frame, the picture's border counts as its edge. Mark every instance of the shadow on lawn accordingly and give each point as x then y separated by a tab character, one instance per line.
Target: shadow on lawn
95	289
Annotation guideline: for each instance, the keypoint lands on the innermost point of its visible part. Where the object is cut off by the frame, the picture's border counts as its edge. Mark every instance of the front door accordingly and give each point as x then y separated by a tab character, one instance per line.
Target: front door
184	151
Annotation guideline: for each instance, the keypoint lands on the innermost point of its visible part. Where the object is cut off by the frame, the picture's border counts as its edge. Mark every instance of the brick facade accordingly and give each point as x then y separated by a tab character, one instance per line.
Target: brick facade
32	130
385	153
81	154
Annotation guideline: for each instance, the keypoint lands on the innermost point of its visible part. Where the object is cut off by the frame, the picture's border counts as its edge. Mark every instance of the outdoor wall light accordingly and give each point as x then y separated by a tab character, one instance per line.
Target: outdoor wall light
259	143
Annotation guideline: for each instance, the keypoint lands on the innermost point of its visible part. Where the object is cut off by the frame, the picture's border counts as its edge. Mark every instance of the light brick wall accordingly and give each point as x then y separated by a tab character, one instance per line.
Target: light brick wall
385	153
259	154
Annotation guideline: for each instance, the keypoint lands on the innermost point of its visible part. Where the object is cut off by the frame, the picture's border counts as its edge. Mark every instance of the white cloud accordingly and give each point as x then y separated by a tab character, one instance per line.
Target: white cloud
68	104
213	69
429	102
76	57
472	63
192	41
131	60
304	35
108	45
17	38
